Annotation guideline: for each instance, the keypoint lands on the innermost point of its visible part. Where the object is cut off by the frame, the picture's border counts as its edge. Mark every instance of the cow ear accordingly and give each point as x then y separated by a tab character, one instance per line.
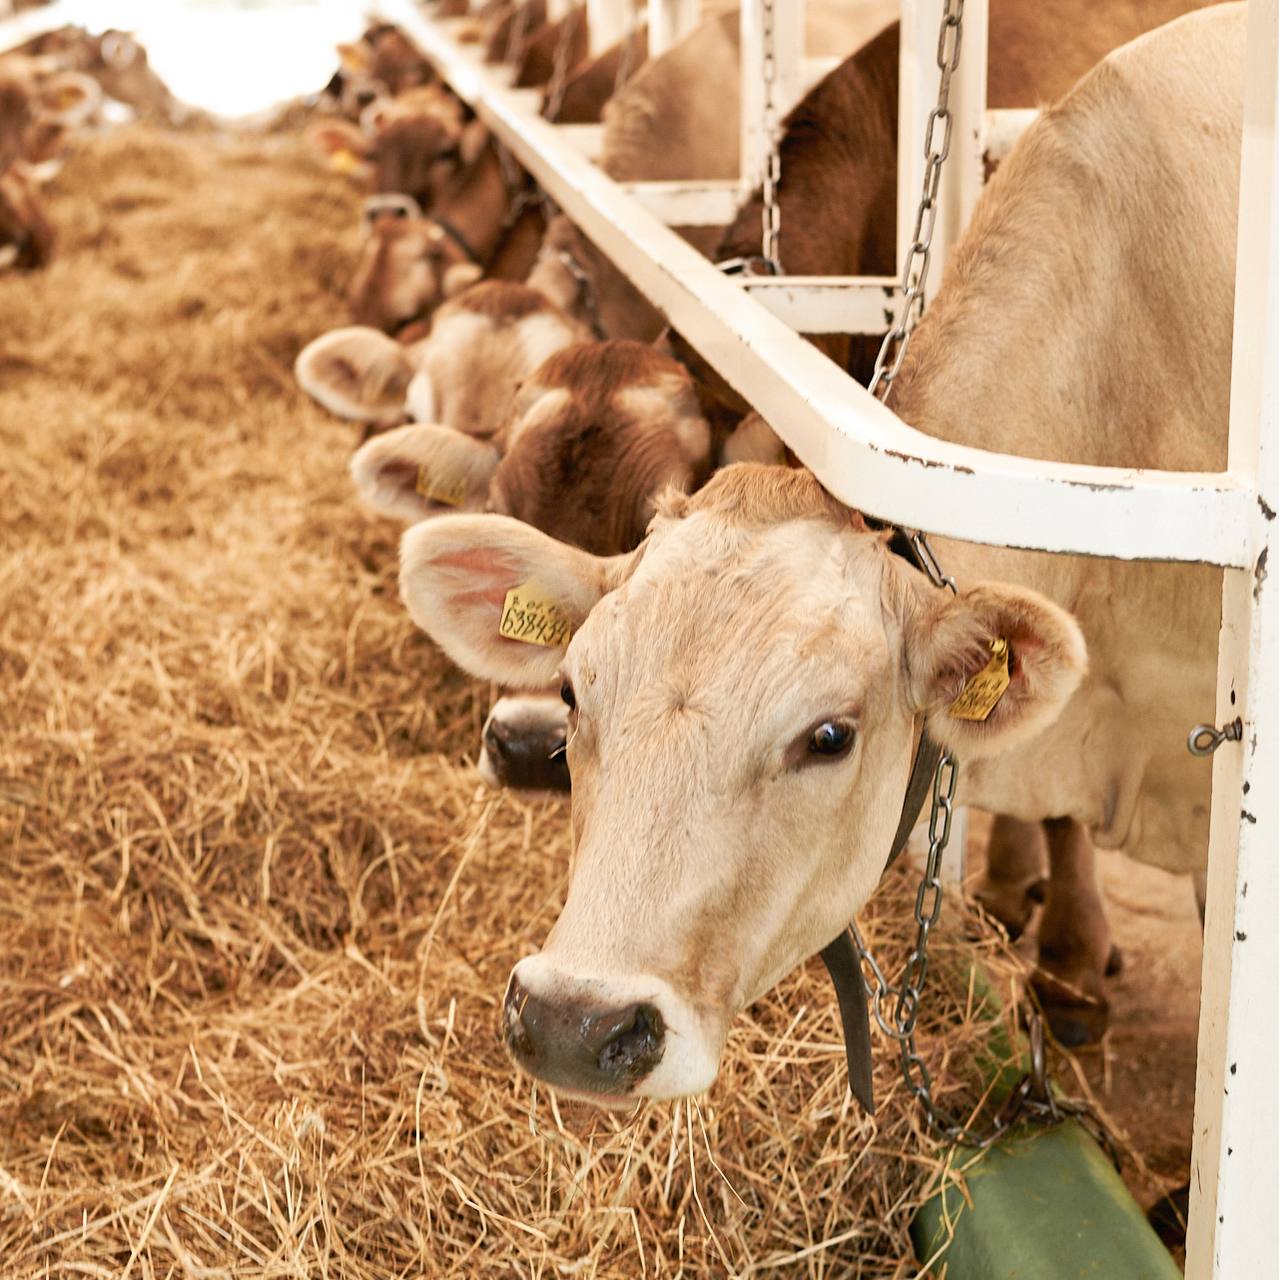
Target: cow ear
341	144
357	373
458	573
423	470
473	140
957	652
459	276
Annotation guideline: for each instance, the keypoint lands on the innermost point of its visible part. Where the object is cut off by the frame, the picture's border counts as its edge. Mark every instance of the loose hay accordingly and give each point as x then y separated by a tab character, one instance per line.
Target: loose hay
256	916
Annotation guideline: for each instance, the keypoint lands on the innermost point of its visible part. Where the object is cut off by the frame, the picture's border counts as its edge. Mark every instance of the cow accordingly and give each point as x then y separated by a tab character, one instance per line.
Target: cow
463	374
413	261
747	686
26	235
837	202
413	144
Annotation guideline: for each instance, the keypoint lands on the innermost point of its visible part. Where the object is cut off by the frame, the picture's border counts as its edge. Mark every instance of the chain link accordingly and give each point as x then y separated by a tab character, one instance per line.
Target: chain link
770	246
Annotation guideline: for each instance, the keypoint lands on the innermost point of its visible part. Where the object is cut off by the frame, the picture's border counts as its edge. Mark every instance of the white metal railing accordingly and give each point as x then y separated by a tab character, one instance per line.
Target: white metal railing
868	458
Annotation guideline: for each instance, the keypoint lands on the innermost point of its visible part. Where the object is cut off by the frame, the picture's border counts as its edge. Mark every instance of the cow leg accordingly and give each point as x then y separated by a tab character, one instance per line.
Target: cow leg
1074	939
1013	882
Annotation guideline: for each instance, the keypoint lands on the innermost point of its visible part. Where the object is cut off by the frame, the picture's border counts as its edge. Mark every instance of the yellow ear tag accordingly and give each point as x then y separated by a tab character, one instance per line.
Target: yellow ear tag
345	161
450	492
531	614
981	693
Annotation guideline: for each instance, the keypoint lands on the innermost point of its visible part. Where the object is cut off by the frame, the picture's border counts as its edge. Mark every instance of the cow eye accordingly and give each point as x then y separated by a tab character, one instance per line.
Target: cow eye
831	738
568	696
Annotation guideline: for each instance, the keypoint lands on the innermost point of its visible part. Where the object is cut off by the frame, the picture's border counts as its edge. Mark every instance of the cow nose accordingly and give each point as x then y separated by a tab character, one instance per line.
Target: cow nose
526	759
573	1046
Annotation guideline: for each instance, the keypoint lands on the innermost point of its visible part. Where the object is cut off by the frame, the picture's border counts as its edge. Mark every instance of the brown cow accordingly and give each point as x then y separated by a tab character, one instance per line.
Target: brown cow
412	262
838	194
750	686
414	144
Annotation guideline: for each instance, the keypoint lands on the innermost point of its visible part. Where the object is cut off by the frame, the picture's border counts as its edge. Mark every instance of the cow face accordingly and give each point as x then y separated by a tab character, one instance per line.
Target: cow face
418	142
744	690
408	266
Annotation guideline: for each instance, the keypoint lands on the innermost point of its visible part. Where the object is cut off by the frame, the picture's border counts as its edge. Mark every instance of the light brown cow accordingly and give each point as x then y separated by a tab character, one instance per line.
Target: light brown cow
463	375
838	213
748	685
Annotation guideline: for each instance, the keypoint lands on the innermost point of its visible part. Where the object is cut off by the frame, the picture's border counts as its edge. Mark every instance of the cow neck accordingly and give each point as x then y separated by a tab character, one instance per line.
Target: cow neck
472	208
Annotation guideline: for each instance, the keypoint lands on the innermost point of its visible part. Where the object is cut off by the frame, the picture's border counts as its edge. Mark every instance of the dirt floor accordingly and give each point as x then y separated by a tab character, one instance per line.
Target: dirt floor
256	915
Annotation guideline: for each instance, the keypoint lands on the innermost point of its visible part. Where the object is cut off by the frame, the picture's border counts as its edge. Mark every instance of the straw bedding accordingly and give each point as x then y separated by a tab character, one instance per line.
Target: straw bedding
256	914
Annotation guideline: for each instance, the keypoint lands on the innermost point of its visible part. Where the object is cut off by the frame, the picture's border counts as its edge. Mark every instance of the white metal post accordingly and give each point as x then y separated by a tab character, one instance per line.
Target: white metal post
787	83
916	97
1234	1226
608	21
669	21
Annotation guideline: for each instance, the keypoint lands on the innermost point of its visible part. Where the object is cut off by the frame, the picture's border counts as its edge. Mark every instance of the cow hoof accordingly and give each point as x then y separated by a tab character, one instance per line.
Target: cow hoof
1074	1018
1010	905
1169	1214
1114	962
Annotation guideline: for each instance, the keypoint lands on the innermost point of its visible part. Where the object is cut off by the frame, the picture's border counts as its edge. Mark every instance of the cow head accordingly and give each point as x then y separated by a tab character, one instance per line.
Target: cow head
419	141
408	266
596	434
744	690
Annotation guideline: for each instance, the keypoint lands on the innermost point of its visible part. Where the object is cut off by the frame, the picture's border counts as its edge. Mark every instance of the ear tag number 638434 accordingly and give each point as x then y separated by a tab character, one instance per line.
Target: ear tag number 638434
530	613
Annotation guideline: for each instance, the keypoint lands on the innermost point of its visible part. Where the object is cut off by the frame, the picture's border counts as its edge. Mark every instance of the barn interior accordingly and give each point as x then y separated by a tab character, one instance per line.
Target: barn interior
258	908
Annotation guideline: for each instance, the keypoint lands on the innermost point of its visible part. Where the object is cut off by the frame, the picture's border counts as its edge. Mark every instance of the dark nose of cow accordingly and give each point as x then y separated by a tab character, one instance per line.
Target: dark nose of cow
527	759
589	1050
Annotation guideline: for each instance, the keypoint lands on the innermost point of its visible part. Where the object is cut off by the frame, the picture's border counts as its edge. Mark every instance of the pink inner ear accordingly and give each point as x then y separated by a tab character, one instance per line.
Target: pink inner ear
493	573
494	595
488	561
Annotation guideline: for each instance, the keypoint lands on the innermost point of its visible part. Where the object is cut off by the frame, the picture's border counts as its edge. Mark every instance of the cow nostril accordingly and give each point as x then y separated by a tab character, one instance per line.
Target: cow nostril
636	1044
497	737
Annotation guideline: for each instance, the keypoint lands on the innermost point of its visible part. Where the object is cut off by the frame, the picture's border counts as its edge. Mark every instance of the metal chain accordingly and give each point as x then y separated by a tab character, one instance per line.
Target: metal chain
585	291
914	274
515	34
560	68
770	247
1032	1097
